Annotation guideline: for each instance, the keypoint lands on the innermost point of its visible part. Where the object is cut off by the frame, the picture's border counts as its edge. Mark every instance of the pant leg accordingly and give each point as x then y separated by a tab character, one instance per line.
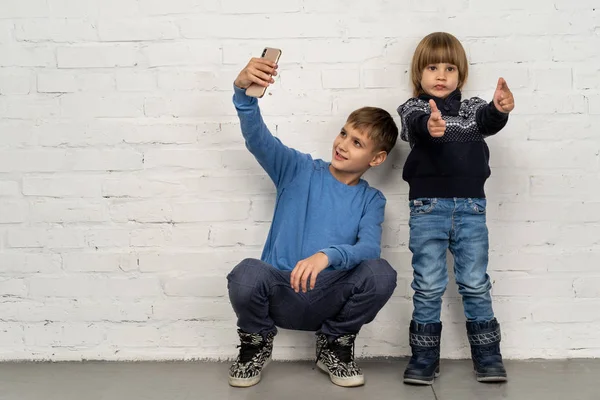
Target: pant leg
255	290
430	224
342	305
470	246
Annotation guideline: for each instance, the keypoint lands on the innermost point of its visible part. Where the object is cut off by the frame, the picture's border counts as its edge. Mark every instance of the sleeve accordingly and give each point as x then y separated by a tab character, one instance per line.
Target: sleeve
280	162
489	120
414	115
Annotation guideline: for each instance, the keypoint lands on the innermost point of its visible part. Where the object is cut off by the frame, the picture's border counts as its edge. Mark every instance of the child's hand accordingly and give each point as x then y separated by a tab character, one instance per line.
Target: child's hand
257	71
309	267
436	125
503	98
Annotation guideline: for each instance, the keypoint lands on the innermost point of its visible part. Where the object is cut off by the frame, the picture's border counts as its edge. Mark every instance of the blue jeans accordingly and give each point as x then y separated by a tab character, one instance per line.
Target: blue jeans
458	224
341	302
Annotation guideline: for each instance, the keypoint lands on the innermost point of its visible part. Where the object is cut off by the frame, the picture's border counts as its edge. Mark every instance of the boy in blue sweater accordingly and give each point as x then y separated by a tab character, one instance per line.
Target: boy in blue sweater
320	268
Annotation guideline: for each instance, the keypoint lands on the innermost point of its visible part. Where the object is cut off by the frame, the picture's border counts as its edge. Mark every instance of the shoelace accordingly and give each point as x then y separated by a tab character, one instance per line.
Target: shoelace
343	351
247	352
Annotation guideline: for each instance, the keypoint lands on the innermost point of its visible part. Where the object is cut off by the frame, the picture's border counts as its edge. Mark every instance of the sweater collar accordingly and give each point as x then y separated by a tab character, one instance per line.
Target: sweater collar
449	105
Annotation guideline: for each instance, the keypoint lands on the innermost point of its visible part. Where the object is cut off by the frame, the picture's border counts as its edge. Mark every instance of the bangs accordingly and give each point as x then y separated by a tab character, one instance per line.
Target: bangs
442	53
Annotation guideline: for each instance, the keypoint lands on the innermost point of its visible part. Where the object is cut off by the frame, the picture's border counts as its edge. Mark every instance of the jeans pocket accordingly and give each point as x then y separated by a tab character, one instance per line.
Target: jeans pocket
422	206
479	206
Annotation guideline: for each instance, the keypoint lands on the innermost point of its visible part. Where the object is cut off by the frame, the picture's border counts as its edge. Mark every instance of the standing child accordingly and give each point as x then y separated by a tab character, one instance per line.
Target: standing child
446	170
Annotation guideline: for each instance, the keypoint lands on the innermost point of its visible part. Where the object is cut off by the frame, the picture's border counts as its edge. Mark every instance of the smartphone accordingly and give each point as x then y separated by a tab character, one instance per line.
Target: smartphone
271	54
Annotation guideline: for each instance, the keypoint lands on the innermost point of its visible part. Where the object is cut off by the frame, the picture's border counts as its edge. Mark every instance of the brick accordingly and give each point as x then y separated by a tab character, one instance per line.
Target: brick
260	6
27	56
196	286
174	309
100	262
158	7
581	49
192	159
24	9
98	56
29	263
15	81
11	335
33	161
238	53
13	287
567	186
87	8
211	211
184	105
578	310
28	107
63	335
195	80
94	106
133	335
294	25
68	211
56	30
130	30
503	50
390	77
249	235
9	188
553	79
538	287
214	261
182	53
59	238
553	127
76	310
70	82
142	212
150	187
337	51
62	186
301	79
547	103
586	77
128	81
559	155
108	238
94	287
340	79
557	211
12	211
151	237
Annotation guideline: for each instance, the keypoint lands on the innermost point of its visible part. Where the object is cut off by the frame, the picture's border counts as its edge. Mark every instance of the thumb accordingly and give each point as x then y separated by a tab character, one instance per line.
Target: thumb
433	106
501	84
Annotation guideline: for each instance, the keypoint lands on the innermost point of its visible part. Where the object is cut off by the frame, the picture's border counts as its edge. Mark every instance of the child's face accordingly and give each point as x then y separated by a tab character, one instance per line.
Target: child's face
353	150
439	80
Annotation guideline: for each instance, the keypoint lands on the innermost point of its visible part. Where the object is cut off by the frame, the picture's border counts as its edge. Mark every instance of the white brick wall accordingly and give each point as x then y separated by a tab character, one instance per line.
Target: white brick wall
126	193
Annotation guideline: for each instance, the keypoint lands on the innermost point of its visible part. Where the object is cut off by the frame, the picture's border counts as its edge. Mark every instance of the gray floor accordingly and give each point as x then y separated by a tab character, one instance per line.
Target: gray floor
531	380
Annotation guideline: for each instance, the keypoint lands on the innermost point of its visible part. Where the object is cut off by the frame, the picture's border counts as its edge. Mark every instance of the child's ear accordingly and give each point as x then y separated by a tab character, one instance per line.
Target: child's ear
378	158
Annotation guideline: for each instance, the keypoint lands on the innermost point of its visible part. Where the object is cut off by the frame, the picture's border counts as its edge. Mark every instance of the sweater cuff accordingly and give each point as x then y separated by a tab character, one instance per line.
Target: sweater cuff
334	257
240	97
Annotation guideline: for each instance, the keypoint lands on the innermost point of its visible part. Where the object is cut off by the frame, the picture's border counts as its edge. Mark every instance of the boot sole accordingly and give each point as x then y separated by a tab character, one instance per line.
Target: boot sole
247	382
491	379
414	380
343	382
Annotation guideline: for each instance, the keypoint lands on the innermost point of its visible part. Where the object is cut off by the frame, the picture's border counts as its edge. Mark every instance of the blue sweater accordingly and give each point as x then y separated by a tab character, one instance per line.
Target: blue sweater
314	212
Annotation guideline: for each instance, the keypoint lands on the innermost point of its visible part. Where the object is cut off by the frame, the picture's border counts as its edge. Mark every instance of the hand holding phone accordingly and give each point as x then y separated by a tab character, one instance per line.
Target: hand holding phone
257	75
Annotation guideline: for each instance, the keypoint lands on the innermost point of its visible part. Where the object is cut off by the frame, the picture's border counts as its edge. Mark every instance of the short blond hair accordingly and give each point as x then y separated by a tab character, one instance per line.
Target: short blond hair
438	47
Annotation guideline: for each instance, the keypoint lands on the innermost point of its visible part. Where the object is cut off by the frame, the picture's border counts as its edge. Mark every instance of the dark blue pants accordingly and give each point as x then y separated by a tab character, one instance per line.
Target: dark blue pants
341	302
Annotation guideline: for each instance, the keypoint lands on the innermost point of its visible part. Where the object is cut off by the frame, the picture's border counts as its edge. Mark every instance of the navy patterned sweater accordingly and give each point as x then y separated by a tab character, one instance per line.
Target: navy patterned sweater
456	164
